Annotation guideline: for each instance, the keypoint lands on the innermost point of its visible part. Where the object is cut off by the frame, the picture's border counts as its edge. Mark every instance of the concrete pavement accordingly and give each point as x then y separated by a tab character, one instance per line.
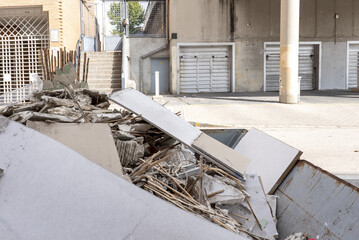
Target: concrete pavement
325	125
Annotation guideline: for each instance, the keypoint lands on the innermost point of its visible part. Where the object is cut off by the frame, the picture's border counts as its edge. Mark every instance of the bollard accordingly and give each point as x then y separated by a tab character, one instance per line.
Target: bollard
157	84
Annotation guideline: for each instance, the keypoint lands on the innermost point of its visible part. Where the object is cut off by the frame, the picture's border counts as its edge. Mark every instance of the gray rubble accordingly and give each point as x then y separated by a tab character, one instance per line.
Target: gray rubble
150	158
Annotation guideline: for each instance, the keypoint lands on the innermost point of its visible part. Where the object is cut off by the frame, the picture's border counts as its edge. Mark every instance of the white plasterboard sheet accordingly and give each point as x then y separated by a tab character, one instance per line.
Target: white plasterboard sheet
260	205
179	129
49	191
271	159
92	140
218	150
243	214
156	114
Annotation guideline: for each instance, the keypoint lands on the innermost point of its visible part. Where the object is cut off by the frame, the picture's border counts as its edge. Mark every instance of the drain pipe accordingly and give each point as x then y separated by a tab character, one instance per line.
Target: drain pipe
124	75
141	63
82	23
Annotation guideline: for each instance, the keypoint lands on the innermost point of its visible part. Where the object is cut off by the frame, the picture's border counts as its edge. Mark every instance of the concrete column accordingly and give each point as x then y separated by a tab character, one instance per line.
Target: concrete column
289	47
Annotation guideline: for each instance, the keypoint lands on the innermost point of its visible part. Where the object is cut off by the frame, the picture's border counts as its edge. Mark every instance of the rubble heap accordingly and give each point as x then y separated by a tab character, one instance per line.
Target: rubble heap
151	159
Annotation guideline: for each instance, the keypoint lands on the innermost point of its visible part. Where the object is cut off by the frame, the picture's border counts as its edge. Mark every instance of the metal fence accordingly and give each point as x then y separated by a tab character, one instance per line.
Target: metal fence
21	39
150	20
146	18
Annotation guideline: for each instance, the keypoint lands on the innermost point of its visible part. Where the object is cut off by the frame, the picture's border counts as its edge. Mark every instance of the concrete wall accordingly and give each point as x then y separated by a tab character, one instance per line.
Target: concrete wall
251	23
139	47
64	15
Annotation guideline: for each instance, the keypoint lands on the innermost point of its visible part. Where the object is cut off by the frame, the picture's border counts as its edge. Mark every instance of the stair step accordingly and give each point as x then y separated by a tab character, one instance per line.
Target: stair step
92	61
100	81
104	76
110	85
106	90
103	53
115	69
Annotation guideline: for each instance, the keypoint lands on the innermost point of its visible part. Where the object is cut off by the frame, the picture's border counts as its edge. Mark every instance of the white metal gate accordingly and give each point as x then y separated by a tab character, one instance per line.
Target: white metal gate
204	69
352	64
22	36
308	58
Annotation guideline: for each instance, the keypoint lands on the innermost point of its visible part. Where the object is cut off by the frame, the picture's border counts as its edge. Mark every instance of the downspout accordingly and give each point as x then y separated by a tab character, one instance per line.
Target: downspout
167	21
82	24
141	63
124	76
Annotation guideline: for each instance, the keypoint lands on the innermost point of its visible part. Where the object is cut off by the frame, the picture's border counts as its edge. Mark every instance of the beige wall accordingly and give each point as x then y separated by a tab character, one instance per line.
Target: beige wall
64	15
71	23
251	23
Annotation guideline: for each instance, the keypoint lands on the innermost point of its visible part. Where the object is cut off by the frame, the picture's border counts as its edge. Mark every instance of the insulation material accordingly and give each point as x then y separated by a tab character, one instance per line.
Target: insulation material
130	151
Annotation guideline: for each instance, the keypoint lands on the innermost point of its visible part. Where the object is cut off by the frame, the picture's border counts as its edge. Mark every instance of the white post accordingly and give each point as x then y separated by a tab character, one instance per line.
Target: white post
289	47
157	84
124	62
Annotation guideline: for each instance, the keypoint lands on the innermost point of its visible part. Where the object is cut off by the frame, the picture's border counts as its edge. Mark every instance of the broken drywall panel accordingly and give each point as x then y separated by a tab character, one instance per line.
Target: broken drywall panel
260	206
92	140
261	209
181	130
270	158
314	201
156	114
220	192
66	196
214	149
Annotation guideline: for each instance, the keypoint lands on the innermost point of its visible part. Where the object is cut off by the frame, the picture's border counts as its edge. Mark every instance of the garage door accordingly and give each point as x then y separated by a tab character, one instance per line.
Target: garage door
353	63
307	66
204	69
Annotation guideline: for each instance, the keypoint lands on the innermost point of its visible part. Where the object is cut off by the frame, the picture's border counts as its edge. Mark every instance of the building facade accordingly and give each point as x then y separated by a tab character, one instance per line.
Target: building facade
233	46
28	26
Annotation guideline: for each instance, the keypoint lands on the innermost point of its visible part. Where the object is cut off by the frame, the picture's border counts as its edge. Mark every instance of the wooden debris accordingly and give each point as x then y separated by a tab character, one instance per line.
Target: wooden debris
153	160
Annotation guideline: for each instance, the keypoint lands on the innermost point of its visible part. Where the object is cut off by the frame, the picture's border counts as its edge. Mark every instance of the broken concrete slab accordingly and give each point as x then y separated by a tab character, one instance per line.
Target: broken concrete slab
220	192
69	197
177	128
270	158
261	208
93	141
130	151
260	205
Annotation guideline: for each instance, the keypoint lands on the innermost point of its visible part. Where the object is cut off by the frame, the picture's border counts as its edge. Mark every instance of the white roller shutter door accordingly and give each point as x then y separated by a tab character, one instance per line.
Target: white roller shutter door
306	66
353	63
204	69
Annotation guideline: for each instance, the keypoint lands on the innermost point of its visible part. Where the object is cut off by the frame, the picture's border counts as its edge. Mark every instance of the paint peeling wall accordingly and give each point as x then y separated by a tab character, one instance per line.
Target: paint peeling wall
250	23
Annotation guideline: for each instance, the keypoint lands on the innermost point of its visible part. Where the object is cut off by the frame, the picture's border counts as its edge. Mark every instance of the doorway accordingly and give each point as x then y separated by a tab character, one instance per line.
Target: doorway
162	66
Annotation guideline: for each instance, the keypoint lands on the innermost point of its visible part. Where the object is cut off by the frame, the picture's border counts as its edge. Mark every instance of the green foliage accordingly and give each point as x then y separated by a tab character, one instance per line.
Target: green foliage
136	17
115	18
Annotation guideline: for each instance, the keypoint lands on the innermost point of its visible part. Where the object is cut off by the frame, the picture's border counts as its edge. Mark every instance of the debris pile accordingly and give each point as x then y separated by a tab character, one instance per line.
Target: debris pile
155	161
